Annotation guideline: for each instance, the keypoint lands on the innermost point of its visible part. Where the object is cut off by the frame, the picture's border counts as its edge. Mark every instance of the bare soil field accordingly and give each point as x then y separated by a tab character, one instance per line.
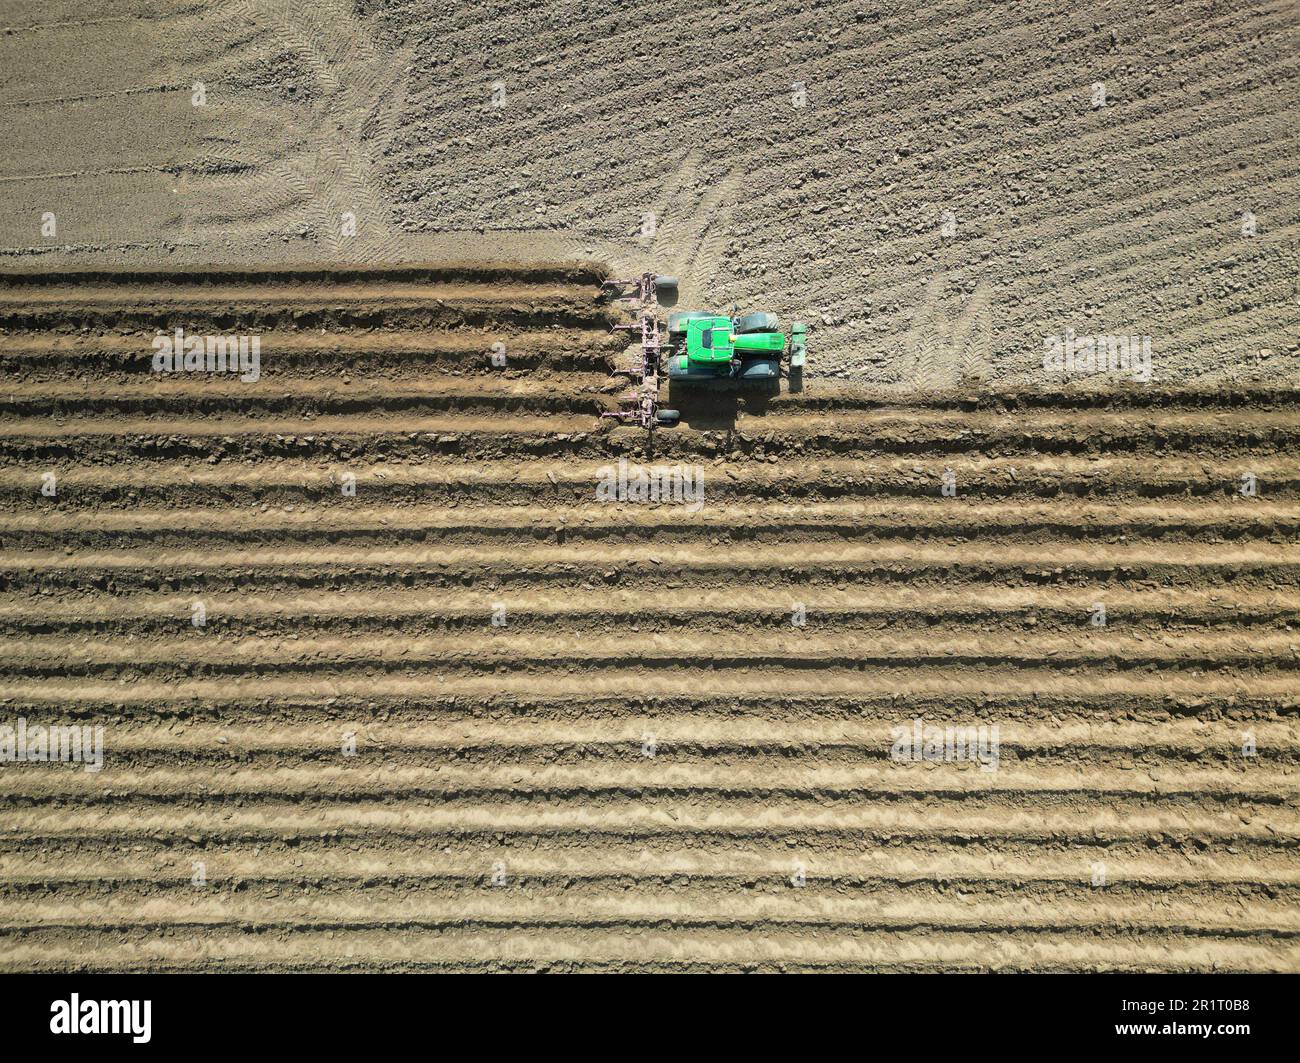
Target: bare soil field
384	685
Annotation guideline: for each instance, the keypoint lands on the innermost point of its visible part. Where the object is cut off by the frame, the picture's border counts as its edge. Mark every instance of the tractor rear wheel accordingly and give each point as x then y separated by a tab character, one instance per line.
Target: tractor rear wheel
667	418
668	284
761	321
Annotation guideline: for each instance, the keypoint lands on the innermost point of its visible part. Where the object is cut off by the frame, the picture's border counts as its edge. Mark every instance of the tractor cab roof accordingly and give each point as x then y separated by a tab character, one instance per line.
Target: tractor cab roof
709	339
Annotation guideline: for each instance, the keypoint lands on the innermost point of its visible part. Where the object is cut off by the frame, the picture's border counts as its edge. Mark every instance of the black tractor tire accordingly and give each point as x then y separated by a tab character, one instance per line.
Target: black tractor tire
760	372
667	418
668	284
759	321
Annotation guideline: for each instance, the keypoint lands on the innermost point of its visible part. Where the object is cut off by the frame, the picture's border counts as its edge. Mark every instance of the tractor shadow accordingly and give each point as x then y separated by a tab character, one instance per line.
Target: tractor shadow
714	411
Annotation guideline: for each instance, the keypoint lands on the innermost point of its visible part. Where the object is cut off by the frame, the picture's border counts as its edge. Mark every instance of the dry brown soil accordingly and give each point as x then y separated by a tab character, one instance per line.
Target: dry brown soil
647	765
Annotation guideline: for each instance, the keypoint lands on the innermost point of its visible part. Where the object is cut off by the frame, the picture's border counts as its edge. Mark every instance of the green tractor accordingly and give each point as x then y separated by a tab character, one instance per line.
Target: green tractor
703	349
713	350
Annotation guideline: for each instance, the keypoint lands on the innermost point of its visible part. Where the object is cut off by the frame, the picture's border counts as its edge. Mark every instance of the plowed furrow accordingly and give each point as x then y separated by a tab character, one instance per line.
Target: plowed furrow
541	908
1005	867
303	355
744	606
649	949
493	649
590	568
256	300
1198	824
567	684
68	434
370	781
424	310
448	467
508	525
20	284
231	740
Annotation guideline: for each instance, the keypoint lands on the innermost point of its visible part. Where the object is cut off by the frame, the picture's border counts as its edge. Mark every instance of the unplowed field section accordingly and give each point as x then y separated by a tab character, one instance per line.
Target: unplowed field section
590	735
